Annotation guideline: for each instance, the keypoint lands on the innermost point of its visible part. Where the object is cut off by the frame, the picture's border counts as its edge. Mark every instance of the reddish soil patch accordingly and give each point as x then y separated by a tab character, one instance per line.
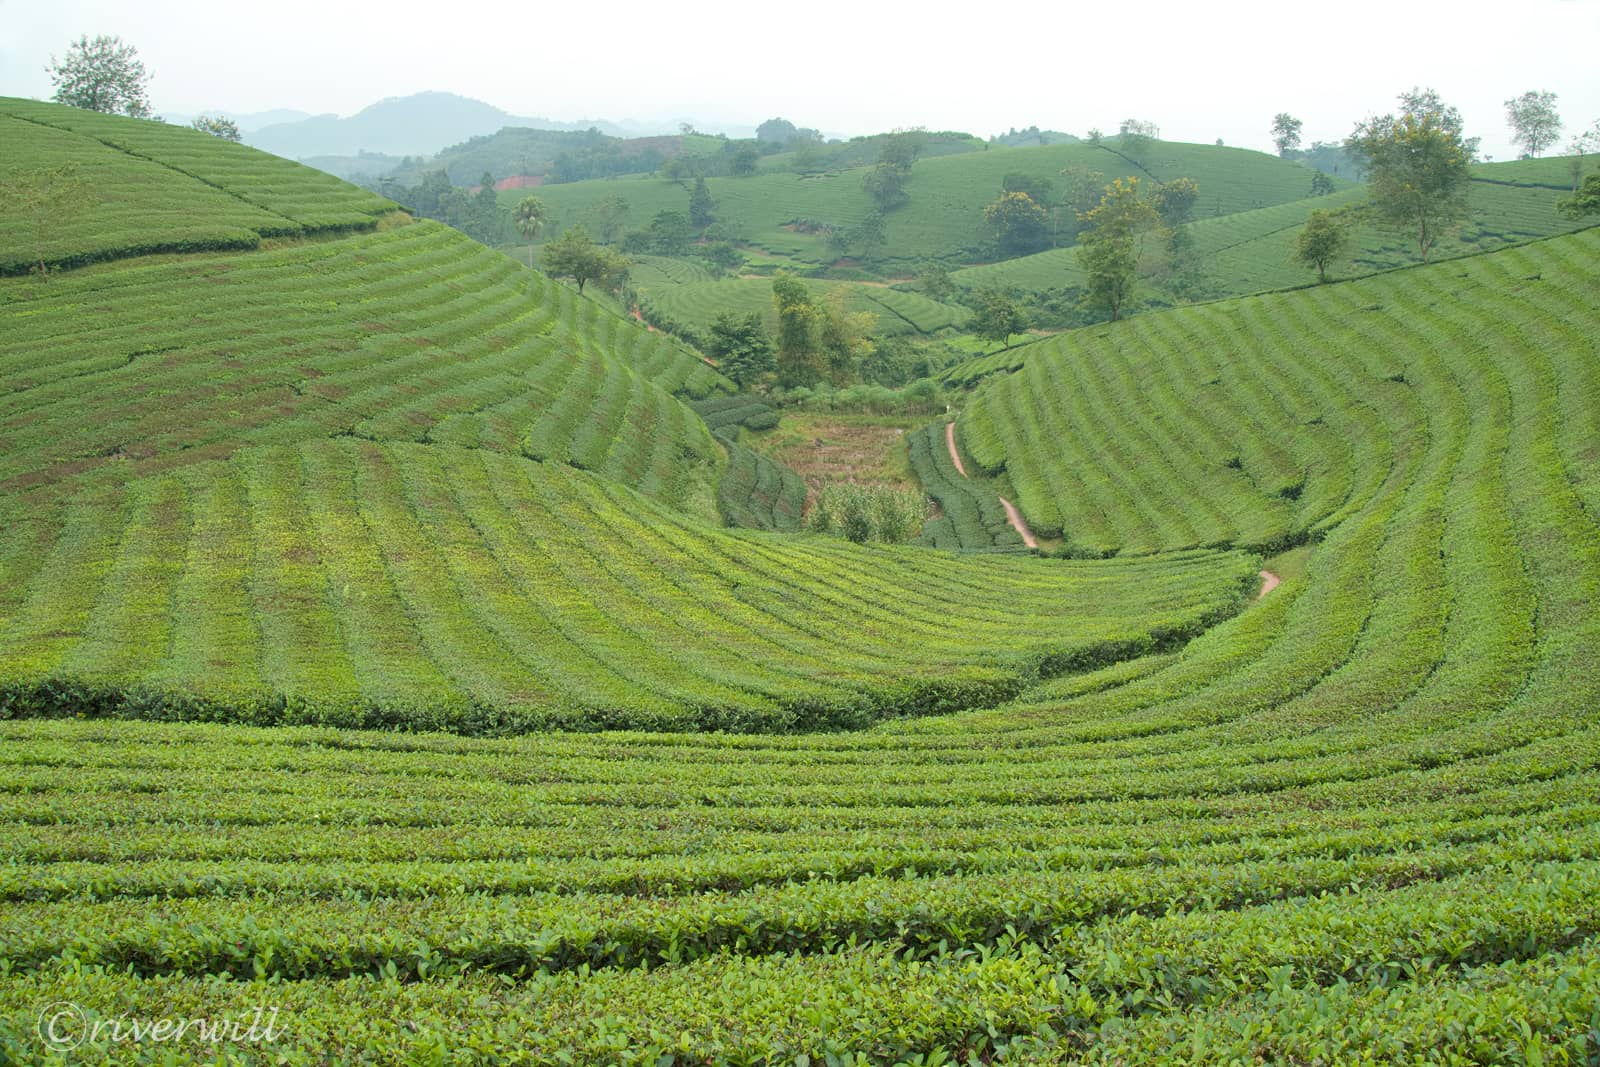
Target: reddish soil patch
1269	582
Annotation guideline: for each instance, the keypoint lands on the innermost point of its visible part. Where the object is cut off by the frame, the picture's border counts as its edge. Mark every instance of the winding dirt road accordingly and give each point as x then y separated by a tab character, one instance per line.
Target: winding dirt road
1013	516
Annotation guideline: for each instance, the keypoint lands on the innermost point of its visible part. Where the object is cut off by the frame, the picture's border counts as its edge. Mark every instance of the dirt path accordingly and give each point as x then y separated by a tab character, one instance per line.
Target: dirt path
1013	516
1269	582
955	455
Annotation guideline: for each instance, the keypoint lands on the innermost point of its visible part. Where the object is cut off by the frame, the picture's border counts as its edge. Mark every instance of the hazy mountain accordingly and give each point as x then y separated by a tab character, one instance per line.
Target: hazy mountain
420	124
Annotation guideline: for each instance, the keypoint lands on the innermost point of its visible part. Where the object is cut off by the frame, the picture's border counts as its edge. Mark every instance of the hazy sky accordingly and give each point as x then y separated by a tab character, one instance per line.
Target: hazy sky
1199	71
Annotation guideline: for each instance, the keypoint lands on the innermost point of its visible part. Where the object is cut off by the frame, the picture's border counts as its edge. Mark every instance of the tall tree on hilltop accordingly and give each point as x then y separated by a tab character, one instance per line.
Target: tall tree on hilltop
1535	124
1285	132
1417	166
102	74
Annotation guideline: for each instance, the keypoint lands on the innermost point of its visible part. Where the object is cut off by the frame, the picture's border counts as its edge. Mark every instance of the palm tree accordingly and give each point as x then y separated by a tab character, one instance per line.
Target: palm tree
530	215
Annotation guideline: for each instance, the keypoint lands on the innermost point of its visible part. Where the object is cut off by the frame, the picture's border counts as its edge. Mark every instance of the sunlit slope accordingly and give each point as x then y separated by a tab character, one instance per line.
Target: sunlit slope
944	217
149	187
414	334
1253	251
348	582
1251	422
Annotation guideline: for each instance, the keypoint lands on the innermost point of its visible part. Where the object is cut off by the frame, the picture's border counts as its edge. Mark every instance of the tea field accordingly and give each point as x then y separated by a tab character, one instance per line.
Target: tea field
1253	251
372	654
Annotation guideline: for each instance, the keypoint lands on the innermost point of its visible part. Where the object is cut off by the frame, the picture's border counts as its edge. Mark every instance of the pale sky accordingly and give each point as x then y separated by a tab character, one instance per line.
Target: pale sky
1199	71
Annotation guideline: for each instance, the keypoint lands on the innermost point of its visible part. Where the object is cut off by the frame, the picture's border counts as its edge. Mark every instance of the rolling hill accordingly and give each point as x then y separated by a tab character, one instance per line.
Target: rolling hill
1353	819
1253	251
944	220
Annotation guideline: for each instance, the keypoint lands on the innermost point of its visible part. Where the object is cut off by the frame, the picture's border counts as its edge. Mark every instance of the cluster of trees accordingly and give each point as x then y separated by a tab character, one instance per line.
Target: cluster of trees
818	340
476	213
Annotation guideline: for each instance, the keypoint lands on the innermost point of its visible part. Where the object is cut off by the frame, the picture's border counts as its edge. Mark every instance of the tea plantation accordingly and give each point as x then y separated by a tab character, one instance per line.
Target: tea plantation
512	754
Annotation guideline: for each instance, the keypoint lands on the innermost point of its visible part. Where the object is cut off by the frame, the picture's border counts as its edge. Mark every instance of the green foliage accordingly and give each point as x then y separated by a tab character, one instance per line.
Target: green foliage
1253	251
1586	201
863	513
1108	250
1417	167
996	315
799	359
740	346
1286	133
575	255
700	206
1017	224
1535	123
102	74
1323	239
217	126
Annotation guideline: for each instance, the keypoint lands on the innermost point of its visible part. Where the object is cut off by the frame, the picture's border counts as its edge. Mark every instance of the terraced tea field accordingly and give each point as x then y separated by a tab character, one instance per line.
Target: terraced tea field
697	304
948	194
1356	819
1253	251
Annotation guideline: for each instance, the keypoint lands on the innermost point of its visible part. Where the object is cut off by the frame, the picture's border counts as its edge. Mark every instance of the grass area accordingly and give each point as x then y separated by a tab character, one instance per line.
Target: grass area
824	448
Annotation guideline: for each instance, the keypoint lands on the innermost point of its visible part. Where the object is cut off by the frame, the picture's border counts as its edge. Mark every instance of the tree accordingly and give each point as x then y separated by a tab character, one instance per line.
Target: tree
743	162
102	74
1108	251
1286	132
1585	200
700	205
45	198
844	337
1135	136
575	255
1042	189
486	222
780	131
529	216
1018	224
799	327
610	212
740	346
1417	165
1535	125
1584	143
935	280
217	126
1321	184
1322	240
996	316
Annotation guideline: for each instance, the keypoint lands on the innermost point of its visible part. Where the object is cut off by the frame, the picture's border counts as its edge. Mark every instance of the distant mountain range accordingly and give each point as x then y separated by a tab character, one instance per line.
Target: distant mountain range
420	124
